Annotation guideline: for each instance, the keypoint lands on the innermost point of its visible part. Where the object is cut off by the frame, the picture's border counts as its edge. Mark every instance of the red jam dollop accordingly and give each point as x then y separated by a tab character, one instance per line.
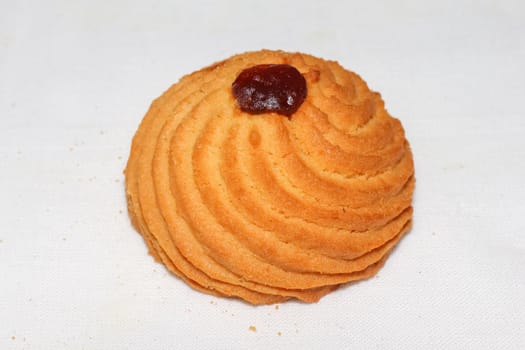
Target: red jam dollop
278	88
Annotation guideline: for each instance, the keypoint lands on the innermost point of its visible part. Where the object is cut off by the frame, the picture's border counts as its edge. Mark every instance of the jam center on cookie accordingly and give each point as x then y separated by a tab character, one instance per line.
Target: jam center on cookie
278	88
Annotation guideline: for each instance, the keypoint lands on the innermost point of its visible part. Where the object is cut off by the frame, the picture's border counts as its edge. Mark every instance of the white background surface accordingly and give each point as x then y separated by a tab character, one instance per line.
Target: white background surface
76	77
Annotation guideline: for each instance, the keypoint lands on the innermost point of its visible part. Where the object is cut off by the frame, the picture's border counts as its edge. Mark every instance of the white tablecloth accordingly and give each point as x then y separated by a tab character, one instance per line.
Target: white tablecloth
76	77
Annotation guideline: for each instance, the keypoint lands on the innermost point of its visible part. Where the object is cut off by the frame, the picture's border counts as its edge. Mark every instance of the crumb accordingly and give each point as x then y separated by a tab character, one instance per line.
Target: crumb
212	302
433	233
276	307
119	157
279	334
120	211
1	240
13	337
117	180
63	238
101	132
252	329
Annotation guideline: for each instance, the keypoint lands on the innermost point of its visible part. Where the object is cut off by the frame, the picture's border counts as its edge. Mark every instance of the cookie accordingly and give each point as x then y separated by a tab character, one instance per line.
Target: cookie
270	189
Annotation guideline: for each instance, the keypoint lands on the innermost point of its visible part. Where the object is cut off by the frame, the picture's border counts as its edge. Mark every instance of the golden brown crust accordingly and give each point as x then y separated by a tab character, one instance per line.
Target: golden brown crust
263	207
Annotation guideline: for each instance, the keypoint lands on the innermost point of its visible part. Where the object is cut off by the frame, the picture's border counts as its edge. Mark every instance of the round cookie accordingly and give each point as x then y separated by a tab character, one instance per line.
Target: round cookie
267	207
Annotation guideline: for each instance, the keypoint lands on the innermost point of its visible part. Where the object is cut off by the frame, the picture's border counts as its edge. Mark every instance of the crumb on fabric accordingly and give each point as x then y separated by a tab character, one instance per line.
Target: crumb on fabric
252	329
276	307
13	337
279	334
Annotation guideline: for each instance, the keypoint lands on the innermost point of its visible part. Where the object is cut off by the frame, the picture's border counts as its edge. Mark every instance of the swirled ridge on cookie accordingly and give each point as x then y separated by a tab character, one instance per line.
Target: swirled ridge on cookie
267	207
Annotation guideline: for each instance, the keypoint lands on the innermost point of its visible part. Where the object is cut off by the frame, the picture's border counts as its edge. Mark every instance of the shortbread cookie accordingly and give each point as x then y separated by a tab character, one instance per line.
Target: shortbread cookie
270	176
